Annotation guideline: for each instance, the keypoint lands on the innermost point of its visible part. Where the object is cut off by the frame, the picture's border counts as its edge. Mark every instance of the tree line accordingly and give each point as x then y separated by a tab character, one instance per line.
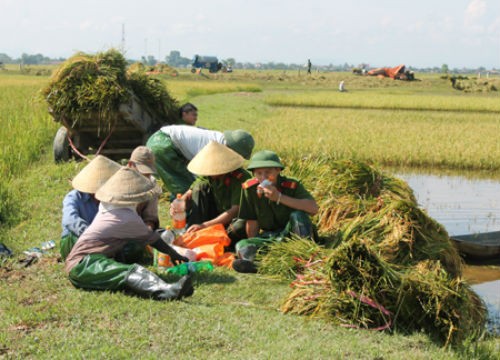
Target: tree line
175	59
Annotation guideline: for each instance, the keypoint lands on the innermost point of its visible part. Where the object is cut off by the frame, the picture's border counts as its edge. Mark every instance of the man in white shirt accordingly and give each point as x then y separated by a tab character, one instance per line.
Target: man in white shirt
175	145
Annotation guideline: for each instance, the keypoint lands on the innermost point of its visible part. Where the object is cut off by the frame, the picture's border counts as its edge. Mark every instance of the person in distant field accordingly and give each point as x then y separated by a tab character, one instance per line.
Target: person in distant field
309	65
342	86
91	263
175	145
273	206
214	197
189	114
80	205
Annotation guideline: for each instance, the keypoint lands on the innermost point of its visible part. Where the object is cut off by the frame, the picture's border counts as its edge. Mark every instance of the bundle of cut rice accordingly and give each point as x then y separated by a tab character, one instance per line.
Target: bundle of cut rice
87	88
386	265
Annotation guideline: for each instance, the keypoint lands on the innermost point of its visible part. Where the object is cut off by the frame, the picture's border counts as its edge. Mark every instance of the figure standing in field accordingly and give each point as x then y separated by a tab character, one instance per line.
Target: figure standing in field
214	197
309	66
91	263
189	114
80	205
175	145
273	206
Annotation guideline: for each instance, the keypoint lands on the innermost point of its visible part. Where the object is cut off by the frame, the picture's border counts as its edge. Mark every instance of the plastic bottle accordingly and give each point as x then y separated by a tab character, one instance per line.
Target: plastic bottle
263	184
168	236
161	260
179	214
190	268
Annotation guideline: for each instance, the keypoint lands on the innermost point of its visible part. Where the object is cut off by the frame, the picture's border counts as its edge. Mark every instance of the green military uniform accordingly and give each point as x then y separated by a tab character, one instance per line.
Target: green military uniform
212	196
276	221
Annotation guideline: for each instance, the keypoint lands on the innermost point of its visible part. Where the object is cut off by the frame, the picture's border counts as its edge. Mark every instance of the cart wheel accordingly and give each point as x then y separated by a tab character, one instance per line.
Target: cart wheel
61	145
193	70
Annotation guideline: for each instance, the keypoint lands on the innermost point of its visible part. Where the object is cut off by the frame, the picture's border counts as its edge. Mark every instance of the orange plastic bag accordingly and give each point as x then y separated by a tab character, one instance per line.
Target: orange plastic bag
215	234
208	243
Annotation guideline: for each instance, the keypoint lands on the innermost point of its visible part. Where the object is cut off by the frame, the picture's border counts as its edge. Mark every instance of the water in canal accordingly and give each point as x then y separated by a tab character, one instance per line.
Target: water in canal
464	204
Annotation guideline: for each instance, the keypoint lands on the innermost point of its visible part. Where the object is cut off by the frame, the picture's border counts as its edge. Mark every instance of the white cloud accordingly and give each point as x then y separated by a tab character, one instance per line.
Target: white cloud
494	27
475	10
181	28
118	19
86	24
200	17
386	21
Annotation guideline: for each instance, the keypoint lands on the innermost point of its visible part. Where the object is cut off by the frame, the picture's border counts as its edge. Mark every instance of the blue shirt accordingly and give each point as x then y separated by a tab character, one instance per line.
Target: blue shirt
79	209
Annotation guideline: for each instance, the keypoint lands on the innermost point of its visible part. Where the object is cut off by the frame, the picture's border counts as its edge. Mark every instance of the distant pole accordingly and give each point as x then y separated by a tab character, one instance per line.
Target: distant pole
122	50
159	50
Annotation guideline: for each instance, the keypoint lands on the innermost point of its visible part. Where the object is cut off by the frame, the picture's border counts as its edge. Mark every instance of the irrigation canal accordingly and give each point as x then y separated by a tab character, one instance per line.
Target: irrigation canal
464	205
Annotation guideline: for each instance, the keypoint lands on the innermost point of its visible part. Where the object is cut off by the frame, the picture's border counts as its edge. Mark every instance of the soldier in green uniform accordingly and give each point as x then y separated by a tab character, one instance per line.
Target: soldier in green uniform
214	197
273	206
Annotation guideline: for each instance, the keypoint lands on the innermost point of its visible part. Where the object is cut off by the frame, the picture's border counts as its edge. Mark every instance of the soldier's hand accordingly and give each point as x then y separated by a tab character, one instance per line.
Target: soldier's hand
177	258
195	227
271	193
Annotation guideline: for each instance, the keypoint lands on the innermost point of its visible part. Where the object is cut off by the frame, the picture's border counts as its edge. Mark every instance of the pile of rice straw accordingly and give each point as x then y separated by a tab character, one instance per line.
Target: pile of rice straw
89	87
384	265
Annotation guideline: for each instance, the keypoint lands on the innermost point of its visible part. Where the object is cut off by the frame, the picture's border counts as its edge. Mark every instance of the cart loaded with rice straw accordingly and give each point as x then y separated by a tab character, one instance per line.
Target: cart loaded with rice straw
104	108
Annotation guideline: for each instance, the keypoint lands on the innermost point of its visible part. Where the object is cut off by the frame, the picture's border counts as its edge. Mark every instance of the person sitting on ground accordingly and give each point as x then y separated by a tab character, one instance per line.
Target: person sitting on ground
91	264
142	159
189	114
80	205
214	197
273	209
175	145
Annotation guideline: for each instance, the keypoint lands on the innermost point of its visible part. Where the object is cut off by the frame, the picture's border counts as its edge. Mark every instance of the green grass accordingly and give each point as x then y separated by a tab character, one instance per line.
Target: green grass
230	315
384	100
184	90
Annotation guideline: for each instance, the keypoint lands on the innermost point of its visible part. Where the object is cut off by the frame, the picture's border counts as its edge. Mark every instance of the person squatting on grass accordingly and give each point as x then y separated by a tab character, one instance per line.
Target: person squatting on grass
91	263
80	205
214	197
273	209
175	145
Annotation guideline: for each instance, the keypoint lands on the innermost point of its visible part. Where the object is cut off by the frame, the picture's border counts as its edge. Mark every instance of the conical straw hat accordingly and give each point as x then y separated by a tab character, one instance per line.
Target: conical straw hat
215	159
127	187
95	174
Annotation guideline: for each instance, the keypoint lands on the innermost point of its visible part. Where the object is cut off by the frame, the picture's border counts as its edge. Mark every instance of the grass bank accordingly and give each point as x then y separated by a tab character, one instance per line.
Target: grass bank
230	315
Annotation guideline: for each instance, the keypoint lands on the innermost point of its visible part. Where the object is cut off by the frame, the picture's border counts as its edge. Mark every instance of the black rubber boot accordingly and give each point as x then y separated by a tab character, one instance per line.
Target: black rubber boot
244	266
145	283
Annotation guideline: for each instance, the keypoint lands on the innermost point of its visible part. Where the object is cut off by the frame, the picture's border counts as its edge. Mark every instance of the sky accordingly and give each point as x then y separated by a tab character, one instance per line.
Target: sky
425	33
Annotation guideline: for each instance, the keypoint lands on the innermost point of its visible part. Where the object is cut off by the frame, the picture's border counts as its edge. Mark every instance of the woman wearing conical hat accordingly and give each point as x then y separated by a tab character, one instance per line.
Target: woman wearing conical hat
142	159
80	205
175	145
91	263
214	197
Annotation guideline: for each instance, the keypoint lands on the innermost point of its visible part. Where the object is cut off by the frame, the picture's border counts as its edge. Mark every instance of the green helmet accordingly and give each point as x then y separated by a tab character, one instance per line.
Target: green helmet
240	141
265	159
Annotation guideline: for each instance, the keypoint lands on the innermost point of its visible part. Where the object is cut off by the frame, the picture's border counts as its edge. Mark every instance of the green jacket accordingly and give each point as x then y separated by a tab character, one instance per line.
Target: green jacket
269	215
227	190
